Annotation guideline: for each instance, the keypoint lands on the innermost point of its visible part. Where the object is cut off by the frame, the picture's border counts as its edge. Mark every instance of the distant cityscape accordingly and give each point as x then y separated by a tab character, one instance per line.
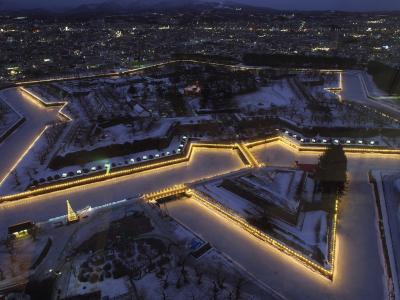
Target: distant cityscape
206	151
53	45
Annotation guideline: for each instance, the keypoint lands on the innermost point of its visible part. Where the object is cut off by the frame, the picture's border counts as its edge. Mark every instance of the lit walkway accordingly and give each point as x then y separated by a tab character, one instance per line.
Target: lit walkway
359	270
36	119
204	163
248	155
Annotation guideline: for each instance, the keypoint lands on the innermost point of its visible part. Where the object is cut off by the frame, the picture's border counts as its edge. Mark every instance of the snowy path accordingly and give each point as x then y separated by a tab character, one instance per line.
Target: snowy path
36	119
359	270
354	89
204	162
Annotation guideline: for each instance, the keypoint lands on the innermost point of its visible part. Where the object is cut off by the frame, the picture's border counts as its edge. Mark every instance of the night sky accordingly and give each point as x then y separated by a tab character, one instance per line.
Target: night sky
351	5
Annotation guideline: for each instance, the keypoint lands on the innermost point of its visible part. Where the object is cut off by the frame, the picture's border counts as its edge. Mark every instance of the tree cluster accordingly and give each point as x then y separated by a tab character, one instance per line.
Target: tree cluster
331	170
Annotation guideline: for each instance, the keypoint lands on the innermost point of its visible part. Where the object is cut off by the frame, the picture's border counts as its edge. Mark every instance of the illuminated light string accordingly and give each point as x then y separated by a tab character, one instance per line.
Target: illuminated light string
134	70
242	147
180	189
156	65
171	191
81	181
369	149
23	154
245	153
328	273
248	155
42	102
92	179
338	88
154	165
227	213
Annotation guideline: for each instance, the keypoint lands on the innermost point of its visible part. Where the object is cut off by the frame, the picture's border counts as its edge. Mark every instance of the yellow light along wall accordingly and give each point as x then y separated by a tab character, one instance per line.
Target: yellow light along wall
57	186
154	164
326	272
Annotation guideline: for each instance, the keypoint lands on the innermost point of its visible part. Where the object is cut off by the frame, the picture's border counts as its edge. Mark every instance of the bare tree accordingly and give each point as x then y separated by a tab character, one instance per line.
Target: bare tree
199	274
16	178
240	282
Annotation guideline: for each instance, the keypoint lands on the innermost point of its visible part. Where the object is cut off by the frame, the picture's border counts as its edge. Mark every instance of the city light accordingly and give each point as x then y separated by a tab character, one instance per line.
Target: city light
238	136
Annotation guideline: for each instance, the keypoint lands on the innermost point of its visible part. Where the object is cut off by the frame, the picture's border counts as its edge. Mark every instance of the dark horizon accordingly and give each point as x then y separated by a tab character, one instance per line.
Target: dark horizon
290	5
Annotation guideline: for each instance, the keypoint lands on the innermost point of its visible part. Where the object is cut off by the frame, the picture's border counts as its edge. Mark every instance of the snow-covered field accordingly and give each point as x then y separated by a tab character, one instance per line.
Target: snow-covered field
309	232
357	86
282	99
165	276
16	262
358	239
18	142
278	94
204	163
30	167
276	185
9	116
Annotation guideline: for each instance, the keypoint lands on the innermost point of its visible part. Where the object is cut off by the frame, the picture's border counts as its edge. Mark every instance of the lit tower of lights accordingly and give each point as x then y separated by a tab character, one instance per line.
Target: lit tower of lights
71	214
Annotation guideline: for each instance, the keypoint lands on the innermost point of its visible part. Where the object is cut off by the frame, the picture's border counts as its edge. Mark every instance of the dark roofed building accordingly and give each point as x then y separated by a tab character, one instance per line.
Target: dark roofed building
21	229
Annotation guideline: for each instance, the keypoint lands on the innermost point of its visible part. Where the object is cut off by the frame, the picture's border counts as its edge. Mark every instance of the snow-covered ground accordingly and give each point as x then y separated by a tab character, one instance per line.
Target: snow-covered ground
79	135
311	233
330	80
9	116
212	265
372	142
352	87
30	168
354	279
279	186
204	163
276	185
387	184
282	99
119	134
357	86
17	260
371	87
358	239
278	94
36	119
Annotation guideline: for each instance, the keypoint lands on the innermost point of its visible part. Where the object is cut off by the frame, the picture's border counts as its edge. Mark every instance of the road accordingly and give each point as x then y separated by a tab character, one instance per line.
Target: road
36	119
359	270
204	162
